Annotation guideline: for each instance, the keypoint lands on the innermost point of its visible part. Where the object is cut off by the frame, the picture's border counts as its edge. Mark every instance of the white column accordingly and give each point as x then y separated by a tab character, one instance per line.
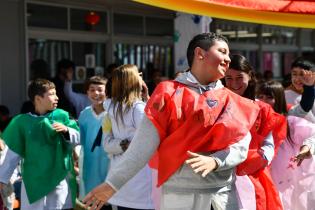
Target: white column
186	27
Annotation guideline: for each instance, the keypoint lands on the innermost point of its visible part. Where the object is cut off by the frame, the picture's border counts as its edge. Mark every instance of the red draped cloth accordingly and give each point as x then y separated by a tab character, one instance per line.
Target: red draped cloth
187	120
254	166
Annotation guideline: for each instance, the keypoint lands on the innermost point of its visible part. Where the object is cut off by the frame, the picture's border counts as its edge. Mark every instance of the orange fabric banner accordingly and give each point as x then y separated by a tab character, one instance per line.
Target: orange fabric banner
277	12
305	7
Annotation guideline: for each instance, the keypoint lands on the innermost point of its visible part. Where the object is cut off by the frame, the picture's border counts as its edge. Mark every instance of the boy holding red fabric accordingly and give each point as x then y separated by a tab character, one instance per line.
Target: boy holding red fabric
192	113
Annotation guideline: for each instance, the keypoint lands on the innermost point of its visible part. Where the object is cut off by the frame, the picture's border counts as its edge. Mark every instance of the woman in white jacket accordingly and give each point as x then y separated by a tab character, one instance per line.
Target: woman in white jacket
125	111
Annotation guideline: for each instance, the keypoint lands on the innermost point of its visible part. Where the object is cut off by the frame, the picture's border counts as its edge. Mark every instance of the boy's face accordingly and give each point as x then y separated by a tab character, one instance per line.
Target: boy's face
96	93
296	75
216	60
48	101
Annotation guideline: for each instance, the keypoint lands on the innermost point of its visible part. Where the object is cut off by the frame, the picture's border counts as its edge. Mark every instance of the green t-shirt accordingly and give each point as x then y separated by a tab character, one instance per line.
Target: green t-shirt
46	154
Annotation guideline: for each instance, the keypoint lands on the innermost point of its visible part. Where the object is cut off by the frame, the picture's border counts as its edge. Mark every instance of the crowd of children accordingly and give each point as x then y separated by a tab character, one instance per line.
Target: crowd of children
216	137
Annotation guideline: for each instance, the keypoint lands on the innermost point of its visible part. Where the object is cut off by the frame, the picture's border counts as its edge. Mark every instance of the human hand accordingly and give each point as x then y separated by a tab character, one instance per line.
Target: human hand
98	196
308	78
145	91
69	75
304	153
201	163
124	144
2	145
60	127
76	170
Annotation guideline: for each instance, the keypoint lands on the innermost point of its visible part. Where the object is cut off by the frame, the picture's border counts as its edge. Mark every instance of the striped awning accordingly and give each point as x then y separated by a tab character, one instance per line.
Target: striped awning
273	12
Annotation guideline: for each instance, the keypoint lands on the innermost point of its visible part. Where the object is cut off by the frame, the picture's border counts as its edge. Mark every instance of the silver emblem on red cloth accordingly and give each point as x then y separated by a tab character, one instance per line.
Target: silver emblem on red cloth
212	103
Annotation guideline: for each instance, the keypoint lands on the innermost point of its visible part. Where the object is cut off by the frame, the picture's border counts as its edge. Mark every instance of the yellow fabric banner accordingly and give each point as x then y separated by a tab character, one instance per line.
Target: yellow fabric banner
208	8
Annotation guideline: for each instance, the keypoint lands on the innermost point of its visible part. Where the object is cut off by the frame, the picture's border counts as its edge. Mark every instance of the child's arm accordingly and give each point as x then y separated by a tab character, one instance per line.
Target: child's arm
142	147
268	148
1	145
113	146
308	96
145	92
8	166
306	150
77	99
202	163
2	151
225	159
70	134
258	158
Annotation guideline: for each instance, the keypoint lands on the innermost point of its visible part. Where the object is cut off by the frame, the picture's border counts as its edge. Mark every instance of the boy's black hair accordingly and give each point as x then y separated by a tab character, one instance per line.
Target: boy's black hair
39	69
96	80
39	87
110	68
108	88
4	117
303	64
64	64
204	41
4	110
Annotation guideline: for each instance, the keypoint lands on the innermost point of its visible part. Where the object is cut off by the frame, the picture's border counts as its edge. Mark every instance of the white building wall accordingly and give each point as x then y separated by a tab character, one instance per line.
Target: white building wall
186	27
12	54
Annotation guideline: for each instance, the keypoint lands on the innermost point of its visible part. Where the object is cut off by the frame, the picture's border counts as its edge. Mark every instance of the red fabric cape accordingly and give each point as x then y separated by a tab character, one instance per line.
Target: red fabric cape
290	6
186	120
255	165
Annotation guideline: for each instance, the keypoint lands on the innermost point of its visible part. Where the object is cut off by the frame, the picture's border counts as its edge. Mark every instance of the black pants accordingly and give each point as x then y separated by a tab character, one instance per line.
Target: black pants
106	207
125	208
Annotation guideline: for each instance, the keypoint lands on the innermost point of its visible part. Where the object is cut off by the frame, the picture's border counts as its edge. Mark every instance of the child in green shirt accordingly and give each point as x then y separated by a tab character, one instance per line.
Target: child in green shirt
43	140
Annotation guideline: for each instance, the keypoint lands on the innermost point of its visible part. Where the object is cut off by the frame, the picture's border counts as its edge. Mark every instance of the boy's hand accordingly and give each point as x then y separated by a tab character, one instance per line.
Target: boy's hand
124	144
145	92
304	153
201	163
98	196
60	127
69	75
308	78
1	145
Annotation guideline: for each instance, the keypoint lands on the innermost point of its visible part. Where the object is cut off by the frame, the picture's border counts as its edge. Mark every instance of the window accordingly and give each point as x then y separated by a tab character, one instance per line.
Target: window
46	16
279	35
236	31
160	57
165	26
90	56
50	51
307	38
79	21
128	24
88	45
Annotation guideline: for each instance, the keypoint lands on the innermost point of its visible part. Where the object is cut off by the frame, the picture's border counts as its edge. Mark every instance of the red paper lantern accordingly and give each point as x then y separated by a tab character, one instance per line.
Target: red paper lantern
92	18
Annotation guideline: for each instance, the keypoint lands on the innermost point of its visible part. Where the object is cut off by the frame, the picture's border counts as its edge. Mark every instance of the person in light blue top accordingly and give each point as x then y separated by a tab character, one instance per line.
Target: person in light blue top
94	161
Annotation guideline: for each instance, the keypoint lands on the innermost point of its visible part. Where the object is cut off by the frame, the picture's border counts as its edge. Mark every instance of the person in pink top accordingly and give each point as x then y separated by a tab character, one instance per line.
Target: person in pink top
294	181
